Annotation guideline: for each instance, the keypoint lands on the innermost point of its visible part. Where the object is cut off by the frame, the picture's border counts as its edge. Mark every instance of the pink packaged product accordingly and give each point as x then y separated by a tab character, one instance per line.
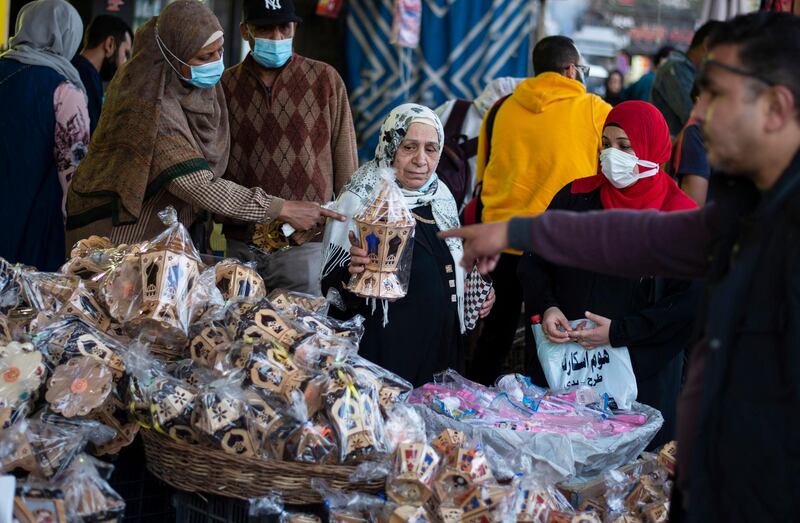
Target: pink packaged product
514	403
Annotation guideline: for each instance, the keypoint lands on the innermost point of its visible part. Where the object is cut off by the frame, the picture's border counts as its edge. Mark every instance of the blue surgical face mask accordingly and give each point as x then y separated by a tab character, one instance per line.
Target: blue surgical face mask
272	53
427	184
204	76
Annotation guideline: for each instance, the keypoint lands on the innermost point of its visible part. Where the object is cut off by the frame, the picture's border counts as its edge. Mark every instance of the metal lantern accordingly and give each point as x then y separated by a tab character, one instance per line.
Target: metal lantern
386	230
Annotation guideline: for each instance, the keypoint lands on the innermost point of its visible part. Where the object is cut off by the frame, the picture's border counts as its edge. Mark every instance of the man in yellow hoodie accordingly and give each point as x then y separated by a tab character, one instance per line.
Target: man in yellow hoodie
545	135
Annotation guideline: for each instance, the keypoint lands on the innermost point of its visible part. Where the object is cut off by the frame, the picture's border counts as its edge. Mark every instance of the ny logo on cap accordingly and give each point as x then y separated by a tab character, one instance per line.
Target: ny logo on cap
272	4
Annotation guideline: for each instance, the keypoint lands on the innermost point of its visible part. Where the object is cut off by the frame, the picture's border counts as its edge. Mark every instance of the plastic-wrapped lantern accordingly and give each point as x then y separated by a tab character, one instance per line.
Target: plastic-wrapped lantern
168	271
386	230
235	280
414	470
83	305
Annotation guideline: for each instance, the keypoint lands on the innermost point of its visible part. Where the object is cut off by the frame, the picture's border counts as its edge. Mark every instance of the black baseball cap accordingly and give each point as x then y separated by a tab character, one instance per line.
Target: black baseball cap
269	12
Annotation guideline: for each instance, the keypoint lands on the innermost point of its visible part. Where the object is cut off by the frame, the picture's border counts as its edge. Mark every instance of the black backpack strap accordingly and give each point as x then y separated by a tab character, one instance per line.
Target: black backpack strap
470	147
456	119
490	125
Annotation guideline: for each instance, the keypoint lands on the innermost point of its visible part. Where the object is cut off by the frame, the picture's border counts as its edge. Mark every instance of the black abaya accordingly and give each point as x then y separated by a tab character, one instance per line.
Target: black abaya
423	334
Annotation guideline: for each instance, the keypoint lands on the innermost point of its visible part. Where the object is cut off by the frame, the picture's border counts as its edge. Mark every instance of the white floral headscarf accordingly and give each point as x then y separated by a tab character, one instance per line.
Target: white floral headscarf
360	187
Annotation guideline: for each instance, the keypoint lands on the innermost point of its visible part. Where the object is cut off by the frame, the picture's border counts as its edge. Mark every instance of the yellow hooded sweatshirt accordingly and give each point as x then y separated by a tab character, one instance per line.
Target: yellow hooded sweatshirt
545	135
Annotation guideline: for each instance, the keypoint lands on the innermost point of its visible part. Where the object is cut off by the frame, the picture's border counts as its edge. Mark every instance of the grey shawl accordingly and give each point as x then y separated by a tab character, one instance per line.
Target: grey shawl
48	33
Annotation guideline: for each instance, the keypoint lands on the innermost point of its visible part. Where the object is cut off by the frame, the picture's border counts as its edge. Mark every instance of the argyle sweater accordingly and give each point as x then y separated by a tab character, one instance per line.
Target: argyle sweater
296	140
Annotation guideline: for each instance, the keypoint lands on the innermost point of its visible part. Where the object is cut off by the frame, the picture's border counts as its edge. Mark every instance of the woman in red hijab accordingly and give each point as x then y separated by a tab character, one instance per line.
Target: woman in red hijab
653	317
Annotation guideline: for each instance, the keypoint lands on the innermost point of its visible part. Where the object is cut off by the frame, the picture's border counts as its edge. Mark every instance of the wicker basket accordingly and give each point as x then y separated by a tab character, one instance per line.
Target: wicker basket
200	469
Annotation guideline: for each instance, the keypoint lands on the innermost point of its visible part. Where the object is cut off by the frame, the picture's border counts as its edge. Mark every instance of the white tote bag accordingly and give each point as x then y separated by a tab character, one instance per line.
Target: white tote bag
608	369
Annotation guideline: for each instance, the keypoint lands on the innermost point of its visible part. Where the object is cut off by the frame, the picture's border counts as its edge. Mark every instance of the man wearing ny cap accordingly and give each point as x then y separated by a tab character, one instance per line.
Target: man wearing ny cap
291	134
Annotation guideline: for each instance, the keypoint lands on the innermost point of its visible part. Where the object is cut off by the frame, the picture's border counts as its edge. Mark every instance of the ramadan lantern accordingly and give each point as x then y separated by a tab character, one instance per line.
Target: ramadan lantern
149	290
386	230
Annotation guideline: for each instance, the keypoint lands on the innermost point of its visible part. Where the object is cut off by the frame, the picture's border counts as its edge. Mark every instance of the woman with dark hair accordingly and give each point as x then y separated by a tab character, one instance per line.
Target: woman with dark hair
614	83
652	317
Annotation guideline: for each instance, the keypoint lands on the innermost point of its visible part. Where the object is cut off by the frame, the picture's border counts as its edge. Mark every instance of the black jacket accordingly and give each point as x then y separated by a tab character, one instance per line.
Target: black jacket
745	465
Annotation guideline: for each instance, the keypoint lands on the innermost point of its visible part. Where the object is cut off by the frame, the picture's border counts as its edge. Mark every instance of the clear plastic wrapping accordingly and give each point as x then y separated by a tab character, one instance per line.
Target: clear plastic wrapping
114	414
270	506
149	291
204	301
143	372
219	416
522	407
86	246
172	406
537	501
209	342
239	281
87	495
351	507
48	292
637	494
352	329
83	305
10	287
16	452
273	370
415	466
385	228
312	440
391	388
46	444
65	339
23	370
261	322
281	299
94	259
318	352
352	404
39	502
79	386
403	425
269	427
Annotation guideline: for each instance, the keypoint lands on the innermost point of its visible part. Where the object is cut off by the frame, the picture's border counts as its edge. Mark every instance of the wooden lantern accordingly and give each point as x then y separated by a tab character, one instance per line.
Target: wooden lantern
385	230
414	470
167	277
449	441
235	280
668	456
82	304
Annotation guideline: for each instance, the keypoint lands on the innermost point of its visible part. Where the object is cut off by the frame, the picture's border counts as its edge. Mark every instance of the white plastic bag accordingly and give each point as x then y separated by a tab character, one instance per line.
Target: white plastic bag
607	369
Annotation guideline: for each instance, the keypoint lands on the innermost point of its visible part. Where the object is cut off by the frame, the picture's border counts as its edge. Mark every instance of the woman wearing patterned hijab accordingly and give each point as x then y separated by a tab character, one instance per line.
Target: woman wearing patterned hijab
163	137
423	333
44	131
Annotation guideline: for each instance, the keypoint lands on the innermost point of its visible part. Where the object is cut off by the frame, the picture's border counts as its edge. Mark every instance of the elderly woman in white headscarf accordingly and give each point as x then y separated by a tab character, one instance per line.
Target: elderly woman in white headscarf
420	334
44	131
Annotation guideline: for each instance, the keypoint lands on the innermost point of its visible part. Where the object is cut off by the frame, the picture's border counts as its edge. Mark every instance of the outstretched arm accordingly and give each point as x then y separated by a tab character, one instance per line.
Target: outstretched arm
619	243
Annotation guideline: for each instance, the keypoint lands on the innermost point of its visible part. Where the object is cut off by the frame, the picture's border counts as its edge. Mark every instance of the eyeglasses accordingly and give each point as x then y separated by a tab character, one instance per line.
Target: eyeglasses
584	69
707	63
